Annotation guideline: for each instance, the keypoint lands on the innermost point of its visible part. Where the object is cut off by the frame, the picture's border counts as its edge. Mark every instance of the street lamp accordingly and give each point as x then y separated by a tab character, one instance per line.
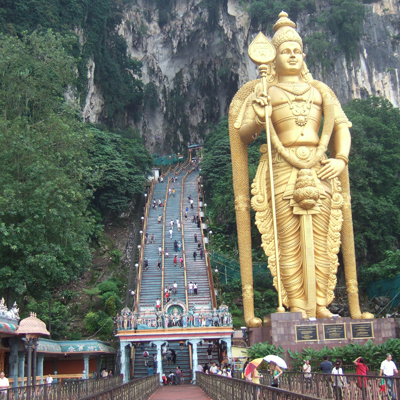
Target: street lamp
141	232
216	275
210	232
145	197
137	265
142	218
133	297
32	328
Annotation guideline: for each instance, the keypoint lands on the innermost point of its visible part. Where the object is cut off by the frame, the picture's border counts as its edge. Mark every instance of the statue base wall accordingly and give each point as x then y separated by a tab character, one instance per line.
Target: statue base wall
291	331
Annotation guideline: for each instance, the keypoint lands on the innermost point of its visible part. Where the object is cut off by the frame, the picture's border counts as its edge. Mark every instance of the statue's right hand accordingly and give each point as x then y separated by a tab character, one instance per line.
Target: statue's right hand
260	103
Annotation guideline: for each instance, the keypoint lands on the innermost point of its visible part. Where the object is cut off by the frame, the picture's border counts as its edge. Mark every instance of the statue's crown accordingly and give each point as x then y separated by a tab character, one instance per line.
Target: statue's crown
285	32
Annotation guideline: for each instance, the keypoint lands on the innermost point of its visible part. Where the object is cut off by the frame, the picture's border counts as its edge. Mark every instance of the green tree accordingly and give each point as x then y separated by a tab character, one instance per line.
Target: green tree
116	73
123	164
60	316
374	170
45	181
345	22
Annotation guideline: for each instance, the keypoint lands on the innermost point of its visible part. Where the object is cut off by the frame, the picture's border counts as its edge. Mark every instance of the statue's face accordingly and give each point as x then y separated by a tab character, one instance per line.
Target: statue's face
289	59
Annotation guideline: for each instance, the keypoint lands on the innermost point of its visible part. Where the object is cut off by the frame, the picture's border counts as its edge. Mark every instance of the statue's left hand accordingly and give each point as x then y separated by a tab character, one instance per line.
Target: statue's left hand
332	168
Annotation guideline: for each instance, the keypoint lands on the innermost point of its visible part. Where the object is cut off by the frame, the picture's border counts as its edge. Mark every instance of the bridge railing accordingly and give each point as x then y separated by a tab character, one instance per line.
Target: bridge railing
67	390
219	387
327	386
137	389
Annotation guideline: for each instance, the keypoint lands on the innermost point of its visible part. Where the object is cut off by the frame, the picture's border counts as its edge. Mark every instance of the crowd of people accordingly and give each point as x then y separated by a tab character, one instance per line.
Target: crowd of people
336	380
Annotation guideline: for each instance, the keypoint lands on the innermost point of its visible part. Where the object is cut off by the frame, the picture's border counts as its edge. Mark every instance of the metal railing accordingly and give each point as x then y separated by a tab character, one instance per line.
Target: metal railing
67	390
142	245
328	386
207	256
137	389
163	244
219	387
183	242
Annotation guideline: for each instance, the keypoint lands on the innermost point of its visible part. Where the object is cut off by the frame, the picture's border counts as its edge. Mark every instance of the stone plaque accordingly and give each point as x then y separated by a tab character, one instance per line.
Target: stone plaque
306	333
362	330
335	332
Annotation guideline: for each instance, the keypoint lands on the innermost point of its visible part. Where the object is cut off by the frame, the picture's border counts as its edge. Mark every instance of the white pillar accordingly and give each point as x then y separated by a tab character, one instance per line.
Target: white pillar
40	361
86	372
194	343
124	359
159	344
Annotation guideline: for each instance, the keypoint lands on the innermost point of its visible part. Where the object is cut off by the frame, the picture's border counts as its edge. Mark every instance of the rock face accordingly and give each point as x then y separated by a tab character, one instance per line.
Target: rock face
197	63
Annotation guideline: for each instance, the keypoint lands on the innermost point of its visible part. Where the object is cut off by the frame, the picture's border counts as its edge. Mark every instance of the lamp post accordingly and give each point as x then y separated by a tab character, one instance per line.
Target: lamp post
217	279
145	198
133	297
32	328
142	218
210	232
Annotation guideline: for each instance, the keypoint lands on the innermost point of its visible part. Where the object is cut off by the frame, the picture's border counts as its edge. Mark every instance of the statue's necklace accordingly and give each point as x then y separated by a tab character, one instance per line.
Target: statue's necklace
300	107
294	88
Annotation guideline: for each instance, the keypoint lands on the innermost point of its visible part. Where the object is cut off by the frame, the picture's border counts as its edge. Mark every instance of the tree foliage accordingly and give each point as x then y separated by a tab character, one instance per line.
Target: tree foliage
45	175
374	177
55	169
123	165
60	317
116	73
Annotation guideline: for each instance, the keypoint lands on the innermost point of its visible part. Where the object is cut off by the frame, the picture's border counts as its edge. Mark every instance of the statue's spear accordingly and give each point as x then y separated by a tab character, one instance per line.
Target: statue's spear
262	52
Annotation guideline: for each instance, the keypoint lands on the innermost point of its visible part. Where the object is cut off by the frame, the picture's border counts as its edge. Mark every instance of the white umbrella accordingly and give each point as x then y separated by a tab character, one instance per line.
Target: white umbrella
277	360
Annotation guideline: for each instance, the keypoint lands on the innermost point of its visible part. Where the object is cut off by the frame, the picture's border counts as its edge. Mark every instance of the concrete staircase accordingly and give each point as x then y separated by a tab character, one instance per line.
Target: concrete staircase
172	212
182	360
152	282
151	279
196	270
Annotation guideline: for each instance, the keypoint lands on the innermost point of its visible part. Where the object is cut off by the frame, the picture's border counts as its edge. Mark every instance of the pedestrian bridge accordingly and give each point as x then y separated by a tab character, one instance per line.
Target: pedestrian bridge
293	386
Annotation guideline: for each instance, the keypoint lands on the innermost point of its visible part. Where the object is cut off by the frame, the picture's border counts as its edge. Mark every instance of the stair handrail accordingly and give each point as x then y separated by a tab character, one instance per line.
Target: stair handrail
186	162
176	167
206	255
164	175
142	245
183	243
163	245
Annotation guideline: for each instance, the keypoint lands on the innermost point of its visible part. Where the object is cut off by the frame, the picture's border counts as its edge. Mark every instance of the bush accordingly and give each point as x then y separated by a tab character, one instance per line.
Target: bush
99	323
107	286
260	350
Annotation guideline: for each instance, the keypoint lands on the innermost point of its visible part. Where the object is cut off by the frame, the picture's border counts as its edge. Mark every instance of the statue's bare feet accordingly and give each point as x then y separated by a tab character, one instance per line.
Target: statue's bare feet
323	312
254	322
297	309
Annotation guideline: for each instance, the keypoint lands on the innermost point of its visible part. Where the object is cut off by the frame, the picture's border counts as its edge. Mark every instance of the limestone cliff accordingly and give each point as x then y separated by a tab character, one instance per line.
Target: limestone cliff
196	66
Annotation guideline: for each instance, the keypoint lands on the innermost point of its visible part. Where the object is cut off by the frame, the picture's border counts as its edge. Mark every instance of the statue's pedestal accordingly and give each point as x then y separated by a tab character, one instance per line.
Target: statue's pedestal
291	331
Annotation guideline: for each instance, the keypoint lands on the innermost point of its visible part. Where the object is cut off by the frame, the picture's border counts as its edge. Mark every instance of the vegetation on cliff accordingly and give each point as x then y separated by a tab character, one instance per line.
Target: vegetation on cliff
59	175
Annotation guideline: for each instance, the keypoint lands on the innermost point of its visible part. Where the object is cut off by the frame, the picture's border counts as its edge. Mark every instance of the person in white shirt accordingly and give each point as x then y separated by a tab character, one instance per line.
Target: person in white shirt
4	383
170	233
175	286
389	368
214	369
199	368
49	380
190	287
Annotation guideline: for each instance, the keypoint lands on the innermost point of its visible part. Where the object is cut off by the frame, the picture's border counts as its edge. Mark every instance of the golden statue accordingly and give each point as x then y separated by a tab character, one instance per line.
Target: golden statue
300	196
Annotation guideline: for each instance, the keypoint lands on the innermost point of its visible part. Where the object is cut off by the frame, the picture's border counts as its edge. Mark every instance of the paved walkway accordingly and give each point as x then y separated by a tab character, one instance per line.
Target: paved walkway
179	392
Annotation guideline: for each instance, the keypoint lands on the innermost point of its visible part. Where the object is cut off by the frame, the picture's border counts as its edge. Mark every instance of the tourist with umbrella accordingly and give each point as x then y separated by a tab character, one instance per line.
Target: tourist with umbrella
275	365
251	373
